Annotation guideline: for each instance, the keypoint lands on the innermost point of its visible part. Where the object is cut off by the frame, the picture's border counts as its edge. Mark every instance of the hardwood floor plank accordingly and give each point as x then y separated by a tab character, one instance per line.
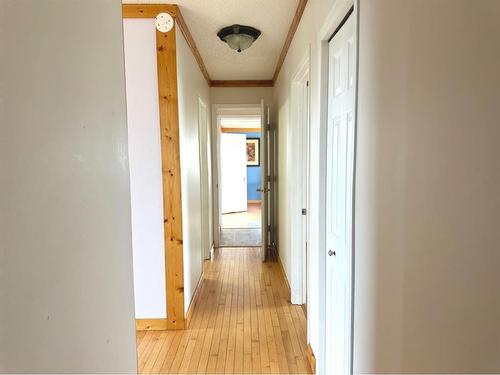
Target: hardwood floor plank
163	352
172	351
243	322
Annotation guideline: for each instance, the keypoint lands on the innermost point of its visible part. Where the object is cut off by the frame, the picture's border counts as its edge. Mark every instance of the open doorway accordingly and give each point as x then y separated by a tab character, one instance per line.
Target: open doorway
240	163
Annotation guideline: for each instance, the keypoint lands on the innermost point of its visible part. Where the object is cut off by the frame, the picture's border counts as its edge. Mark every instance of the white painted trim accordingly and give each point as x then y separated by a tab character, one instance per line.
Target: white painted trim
204	188
215	139
300	193
211	252
335	16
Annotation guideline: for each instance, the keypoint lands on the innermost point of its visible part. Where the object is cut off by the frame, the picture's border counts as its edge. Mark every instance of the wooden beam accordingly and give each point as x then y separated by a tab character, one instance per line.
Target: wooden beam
192	44
151	324
242	83
147	10
171	168
291	32
240	130
171	175
152	10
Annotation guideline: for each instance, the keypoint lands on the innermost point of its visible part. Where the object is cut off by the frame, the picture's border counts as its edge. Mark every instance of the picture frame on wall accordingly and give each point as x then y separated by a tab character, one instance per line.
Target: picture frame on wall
253	152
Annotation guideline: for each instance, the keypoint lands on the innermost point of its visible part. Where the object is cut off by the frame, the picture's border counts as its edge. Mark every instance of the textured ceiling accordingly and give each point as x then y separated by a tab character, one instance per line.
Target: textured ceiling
206	17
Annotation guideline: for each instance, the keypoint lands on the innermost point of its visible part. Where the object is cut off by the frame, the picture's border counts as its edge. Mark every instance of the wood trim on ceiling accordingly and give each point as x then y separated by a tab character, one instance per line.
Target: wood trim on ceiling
148	10
152	10
240	130
288	41
242	83
192	45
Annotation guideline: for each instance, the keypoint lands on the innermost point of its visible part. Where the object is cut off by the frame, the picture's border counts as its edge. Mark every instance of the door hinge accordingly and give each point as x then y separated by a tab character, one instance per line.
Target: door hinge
268	178
268	127
269	228
304	211
307	83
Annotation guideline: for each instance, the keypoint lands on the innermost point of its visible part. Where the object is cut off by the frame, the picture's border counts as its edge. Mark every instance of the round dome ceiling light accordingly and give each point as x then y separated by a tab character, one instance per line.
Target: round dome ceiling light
239	37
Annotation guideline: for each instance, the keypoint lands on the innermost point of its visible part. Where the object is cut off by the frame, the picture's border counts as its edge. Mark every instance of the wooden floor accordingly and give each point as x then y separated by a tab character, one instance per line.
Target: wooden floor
243	322
247	219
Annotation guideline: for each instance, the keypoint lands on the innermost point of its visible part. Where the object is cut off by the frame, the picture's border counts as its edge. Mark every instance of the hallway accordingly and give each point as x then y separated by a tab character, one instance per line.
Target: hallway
245	324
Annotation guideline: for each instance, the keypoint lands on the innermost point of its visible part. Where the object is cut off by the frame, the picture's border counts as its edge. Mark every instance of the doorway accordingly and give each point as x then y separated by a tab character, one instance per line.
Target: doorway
241	181
240	178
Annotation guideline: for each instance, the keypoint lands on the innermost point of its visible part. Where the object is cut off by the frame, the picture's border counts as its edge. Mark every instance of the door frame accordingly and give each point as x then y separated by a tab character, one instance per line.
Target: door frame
216	166
334	19
205	183
300	121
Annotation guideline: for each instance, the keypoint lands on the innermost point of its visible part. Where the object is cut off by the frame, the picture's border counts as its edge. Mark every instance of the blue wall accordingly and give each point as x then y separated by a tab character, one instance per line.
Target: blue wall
253	175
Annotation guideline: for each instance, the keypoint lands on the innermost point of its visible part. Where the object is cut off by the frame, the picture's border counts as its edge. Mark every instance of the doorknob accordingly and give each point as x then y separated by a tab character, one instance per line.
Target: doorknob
263	190
330	253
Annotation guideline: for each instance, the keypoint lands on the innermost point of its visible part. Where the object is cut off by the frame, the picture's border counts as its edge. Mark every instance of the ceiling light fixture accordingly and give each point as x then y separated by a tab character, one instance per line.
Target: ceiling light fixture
239	37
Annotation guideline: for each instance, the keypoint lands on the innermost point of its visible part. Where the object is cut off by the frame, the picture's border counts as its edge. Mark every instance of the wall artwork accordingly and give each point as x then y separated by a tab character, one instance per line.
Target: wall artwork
253	152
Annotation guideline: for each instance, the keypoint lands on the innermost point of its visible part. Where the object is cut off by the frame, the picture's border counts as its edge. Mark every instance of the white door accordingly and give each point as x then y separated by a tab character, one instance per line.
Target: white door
340	146
264	180
233	160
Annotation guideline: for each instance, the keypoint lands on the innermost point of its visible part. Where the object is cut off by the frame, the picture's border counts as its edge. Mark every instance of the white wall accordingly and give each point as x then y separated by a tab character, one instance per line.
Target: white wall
66	285
241	95
426	293
191	86
146	190
428	182
318	22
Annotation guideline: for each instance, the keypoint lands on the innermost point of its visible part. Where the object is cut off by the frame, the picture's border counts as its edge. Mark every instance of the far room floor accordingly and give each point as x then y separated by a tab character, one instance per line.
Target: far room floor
247	219
242	228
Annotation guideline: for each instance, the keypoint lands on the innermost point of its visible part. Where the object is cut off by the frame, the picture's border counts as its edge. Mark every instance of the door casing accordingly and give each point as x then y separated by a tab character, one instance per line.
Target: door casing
217	111
205	178
300	119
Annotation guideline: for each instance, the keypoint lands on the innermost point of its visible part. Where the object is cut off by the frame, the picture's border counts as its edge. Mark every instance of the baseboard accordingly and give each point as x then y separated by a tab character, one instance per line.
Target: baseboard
211	251
194	300
286	279
158	324
311	358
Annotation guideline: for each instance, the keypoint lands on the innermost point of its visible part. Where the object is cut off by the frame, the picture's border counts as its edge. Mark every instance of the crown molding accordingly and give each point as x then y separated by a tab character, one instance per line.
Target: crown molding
291	33
147	10
192	44
242	83
152	10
